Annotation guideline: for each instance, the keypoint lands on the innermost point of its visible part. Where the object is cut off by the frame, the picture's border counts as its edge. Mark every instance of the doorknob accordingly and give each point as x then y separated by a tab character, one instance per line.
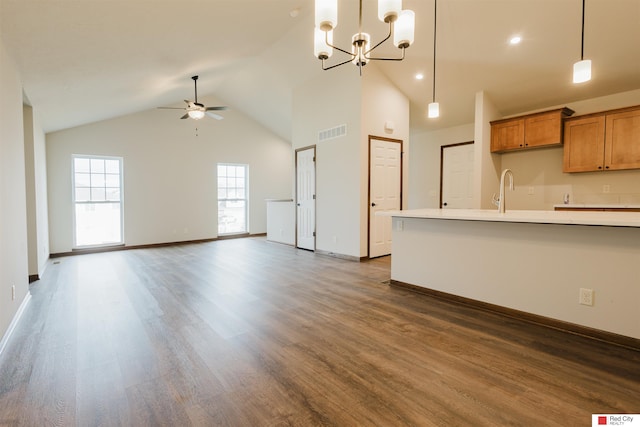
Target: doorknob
373	204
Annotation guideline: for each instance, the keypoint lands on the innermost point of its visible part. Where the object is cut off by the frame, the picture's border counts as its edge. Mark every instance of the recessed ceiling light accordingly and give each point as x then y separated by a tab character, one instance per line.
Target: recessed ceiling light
419	76
515	40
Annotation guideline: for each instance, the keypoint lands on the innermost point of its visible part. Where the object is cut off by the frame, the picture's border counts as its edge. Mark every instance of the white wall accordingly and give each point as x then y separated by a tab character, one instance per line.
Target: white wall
13	225
364	104
381	102
424	163
169	172
331	100
541	170
487	166
36	192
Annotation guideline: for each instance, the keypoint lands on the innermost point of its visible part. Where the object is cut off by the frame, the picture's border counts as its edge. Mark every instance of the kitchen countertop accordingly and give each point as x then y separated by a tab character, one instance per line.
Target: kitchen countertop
596	206
609	219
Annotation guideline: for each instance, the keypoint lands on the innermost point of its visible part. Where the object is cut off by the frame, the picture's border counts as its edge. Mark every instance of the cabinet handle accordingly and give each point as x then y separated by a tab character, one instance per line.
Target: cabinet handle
599	167
606	167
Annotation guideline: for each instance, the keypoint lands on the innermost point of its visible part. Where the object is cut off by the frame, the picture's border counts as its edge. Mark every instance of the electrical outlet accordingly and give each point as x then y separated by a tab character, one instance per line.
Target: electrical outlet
399	225
13	292
586	296
606	188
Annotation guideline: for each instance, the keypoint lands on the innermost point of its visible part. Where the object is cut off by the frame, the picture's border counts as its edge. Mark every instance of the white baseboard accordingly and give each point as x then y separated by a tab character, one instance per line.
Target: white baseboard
14	322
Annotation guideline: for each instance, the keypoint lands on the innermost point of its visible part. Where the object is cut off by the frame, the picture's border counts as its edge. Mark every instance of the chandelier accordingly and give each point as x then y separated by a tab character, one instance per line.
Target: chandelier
401	26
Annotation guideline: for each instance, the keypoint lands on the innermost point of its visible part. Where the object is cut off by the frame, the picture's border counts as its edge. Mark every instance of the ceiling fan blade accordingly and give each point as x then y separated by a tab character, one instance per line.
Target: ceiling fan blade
214	115
216	108
187	101
171	108
186	116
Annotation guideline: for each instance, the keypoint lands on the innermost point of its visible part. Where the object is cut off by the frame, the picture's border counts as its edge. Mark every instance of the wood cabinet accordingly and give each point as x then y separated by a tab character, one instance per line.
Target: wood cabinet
530	131
603	141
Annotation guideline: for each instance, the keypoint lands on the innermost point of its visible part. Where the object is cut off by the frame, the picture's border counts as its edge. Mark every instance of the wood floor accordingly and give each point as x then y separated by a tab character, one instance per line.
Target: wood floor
247	332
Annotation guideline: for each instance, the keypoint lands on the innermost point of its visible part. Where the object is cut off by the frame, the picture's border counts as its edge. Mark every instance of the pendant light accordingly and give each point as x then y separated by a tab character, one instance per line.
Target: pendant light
434	107
582	68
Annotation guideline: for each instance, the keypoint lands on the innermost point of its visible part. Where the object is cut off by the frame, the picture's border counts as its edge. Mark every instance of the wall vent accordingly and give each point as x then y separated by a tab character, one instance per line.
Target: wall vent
332	133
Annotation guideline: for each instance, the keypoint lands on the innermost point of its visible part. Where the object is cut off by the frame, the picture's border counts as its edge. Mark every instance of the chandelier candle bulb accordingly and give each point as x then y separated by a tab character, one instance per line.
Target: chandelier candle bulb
388	10
326	14
403	33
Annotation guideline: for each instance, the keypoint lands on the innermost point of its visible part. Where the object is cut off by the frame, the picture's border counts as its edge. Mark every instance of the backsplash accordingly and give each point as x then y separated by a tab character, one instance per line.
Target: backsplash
541	184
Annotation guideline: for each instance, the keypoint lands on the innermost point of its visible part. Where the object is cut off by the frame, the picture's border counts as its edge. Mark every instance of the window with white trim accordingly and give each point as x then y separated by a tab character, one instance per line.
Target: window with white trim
97	199
232	198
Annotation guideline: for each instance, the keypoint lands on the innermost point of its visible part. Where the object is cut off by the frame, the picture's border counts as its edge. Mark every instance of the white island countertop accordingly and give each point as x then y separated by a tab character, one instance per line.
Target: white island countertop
609	219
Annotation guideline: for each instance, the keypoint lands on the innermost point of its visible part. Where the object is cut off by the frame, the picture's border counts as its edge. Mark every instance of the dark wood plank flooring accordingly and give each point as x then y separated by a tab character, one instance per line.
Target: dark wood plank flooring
246	332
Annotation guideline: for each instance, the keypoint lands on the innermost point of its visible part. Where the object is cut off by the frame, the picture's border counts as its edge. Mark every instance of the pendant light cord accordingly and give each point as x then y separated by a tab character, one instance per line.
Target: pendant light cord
582	45
435	14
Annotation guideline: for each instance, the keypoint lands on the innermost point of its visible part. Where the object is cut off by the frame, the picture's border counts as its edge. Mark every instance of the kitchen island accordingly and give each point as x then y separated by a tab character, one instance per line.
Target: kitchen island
528	262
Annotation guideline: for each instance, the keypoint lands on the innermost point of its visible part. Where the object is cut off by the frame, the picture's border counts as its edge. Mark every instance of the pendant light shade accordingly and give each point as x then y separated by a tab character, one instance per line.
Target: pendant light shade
582	68
320	47
388	10
434	110
326	14
404	29
359	46
582	71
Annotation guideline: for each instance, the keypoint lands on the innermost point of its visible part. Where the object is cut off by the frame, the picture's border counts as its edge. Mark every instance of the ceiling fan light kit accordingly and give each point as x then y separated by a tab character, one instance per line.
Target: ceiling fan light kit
401	27
196	114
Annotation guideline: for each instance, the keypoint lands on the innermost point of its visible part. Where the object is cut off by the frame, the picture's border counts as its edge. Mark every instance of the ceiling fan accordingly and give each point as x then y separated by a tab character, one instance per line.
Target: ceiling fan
194	109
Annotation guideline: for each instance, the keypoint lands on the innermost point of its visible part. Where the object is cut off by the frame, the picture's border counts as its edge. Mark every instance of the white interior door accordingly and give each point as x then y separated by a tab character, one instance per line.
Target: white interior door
306	199
457	176
385	185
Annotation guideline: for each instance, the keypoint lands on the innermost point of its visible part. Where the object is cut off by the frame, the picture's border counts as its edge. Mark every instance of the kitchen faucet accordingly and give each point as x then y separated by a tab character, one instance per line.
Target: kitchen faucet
500	202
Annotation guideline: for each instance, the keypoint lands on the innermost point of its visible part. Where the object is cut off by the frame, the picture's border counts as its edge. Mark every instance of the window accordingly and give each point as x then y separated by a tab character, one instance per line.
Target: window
232	198
97	199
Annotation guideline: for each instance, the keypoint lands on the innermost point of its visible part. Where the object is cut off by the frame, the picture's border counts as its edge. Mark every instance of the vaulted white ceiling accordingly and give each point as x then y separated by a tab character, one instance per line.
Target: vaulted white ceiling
88	60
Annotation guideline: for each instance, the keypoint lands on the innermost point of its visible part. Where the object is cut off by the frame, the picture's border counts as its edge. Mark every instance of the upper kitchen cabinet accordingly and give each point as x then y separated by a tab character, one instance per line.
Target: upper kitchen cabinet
603	141
531	131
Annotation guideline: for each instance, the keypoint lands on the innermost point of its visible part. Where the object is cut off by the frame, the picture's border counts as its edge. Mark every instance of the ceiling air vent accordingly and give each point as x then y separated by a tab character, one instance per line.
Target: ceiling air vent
332	133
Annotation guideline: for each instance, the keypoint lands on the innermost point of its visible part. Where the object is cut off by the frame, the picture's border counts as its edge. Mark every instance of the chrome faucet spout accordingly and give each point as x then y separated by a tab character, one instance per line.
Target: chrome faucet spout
501	201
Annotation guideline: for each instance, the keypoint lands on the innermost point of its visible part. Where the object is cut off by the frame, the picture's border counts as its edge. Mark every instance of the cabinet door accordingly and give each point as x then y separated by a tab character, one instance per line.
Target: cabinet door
584	144
508	135
543	130
622	150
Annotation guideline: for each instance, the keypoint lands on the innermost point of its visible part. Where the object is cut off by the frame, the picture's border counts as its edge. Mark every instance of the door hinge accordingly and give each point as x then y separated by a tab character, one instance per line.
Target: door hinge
314	234
314	197
314	158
